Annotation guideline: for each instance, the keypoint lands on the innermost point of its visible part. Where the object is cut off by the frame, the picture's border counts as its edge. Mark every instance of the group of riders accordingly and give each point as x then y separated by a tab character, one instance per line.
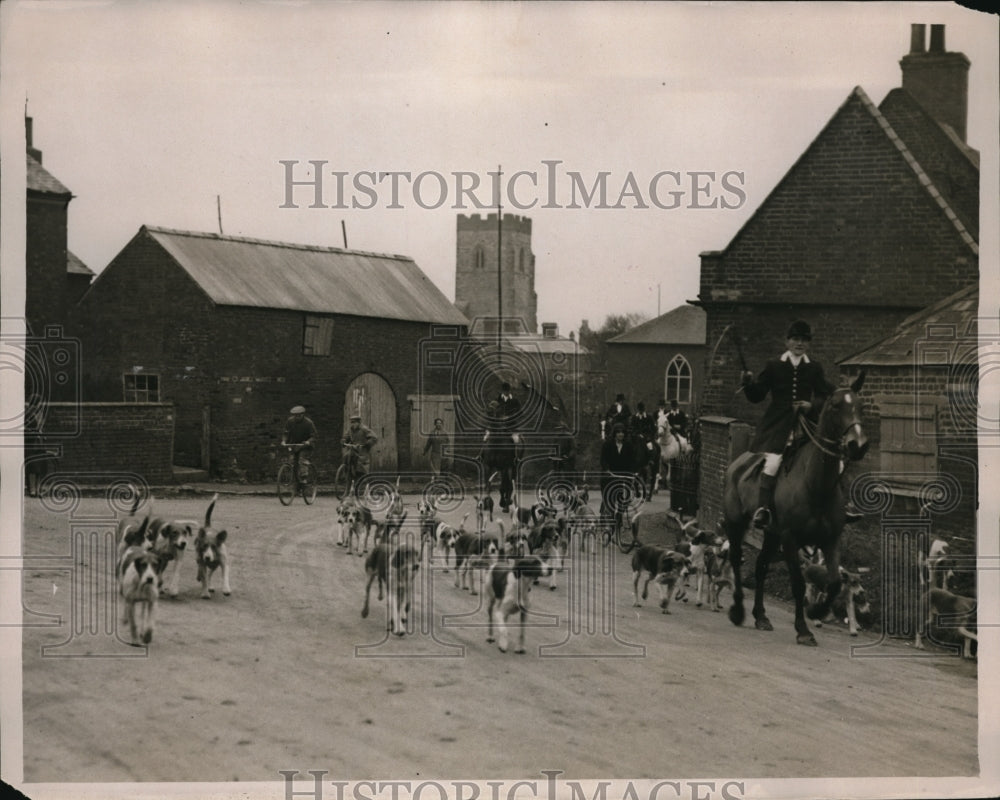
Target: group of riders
794	382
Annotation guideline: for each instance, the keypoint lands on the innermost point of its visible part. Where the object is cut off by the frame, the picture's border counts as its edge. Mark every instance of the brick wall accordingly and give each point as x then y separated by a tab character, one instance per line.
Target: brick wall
837	334
112	437
243	367
722	440
639	370
850	217
45	251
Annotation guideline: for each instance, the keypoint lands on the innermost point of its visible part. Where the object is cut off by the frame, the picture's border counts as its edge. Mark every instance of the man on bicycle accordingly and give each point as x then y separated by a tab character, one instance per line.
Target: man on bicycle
617	459
299	430
358	442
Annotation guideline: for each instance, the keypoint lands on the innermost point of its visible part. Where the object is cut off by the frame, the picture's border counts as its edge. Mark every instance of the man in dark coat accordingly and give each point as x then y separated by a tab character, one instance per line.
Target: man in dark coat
505	442
618	413
797	386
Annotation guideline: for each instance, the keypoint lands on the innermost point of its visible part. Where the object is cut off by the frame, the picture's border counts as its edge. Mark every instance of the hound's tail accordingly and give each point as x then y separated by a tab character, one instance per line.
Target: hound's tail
208	514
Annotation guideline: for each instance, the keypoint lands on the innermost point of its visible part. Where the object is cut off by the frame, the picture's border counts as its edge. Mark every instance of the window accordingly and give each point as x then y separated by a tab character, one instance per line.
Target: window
908	440
678	383
318	336
520	260
141	388
479	257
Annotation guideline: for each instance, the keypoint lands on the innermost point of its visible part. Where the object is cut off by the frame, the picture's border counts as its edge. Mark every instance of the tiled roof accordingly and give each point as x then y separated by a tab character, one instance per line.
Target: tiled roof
682	325
328	280
941	335
40	180
75	266
922	175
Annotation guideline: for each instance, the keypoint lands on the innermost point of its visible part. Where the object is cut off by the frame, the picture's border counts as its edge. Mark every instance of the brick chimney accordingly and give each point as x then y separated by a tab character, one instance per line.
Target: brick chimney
939	80
550	330
35	154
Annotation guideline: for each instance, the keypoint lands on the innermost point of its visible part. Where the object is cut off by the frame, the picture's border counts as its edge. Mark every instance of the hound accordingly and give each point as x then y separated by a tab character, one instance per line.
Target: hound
394	568
850	604
355	521
210	545
474	552
665	566
949	611
138	585
508	586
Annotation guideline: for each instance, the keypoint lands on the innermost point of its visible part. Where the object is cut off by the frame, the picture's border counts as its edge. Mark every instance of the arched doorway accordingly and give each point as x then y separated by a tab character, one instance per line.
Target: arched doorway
374	399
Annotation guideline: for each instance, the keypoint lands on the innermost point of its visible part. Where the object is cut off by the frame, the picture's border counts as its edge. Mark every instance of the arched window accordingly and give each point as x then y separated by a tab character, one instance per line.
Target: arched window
479	257
520	260
678	381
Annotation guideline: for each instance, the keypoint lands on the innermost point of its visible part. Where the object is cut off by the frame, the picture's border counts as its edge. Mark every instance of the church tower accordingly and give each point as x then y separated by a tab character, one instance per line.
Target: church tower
476	290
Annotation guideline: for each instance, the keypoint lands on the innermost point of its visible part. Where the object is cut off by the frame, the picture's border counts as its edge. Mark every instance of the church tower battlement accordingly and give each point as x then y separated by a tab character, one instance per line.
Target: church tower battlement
476	269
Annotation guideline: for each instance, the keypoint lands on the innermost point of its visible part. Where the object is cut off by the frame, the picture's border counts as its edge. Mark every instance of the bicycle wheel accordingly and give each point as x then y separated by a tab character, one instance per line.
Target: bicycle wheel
286	484
623	533
340	482
309	486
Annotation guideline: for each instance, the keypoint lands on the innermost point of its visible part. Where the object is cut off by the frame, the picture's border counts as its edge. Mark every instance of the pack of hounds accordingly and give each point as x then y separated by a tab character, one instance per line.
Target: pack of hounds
149	555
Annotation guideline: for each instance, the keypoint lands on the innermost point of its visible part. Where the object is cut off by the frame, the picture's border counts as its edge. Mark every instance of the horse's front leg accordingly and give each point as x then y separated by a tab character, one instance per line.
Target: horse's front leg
736	610
768	549
802	633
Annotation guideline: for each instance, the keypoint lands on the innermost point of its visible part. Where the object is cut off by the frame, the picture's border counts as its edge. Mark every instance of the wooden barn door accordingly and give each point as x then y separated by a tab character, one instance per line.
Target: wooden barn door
374	399
424	409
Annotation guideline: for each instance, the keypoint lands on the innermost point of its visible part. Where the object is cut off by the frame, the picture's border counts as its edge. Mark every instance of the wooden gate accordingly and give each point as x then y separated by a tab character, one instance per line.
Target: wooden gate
371	396
424	409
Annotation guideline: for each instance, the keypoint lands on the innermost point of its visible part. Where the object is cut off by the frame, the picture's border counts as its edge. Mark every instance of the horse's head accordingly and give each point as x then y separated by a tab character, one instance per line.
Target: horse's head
840	421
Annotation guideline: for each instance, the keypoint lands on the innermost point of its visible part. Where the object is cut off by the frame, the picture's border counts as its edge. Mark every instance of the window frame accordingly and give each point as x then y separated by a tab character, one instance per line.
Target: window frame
135	394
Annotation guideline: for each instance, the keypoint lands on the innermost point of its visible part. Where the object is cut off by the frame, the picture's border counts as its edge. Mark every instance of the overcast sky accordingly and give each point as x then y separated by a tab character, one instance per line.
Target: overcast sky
147	112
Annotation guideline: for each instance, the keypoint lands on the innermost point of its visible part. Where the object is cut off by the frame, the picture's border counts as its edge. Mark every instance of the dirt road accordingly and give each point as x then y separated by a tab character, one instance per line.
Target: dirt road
285	675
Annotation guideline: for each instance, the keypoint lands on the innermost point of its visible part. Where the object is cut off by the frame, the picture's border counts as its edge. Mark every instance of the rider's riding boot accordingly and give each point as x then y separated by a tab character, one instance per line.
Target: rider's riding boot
762	516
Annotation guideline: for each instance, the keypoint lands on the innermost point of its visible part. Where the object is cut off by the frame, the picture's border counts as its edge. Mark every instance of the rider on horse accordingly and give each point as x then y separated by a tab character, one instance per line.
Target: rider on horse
504	409
797	386
617	414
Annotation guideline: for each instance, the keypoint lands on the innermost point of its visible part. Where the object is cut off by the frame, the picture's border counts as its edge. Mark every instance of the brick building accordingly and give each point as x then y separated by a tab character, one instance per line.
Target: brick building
874	222
235	331
54	277
476	264
663	358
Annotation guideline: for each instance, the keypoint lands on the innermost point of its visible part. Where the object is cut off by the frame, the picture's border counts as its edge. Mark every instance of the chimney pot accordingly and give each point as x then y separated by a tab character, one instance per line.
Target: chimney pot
917	37
937	39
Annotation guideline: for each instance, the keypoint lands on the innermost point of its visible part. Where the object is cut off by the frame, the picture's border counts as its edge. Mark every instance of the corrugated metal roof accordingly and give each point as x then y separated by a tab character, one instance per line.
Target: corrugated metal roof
941	335
682	325
40	179
252	272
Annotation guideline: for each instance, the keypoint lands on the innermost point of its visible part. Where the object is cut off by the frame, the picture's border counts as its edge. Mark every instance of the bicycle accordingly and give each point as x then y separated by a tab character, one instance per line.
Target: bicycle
347	472
290	484
620	530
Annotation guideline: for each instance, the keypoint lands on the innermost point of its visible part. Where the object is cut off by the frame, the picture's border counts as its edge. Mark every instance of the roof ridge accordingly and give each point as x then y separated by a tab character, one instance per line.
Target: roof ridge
911	160
273	243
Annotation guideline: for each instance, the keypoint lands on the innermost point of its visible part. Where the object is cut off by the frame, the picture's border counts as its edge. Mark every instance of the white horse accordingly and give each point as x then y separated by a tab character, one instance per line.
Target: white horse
672	446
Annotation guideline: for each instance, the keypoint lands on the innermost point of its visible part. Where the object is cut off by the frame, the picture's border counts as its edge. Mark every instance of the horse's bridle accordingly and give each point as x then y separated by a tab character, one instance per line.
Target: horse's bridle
819	440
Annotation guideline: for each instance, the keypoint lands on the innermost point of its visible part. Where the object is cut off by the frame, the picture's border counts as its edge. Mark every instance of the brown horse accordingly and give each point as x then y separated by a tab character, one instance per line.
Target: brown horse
808	508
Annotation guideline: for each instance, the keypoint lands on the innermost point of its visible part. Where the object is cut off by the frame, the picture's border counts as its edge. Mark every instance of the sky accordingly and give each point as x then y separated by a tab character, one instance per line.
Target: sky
169	113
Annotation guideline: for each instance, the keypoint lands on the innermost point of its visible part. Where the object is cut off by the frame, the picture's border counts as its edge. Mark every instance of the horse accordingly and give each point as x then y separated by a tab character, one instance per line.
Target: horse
503	450
808	506
672	446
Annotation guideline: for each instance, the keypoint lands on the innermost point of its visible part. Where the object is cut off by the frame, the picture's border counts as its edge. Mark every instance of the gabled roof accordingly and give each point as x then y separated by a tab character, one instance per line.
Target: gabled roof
74	266
858	95
950	163
238	271
922	174
943	334
41	180
682	325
